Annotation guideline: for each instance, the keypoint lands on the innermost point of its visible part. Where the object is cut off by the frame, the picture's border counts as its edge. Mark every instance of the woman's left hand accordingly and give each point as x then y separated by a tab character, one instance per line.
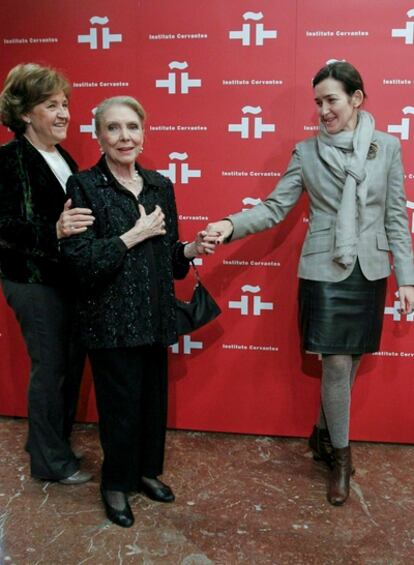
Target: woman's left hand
406	299
204	244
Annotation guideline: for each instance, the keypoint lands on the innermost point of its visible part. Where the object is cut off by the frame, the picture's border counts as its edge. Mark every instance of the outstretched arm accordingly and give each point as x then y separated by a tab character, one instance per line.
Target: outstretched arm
268	213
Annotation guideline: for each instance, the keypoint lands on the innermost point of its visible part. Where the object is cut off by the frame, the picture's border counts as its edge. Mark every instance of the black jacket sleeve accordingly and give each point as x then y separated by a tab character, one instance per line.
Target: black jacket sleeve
181	264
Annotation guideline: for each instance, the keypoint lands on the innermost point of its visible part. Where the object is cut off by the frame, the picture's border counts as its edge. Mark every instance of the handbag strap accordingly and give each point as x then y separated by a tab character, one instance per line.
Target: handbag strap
195	271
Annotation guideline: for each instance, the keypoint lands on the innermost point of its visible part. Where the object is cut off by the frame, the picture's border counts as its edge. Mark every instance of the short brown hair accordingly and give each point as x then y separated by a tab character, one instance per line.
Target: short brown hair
25	86
118	101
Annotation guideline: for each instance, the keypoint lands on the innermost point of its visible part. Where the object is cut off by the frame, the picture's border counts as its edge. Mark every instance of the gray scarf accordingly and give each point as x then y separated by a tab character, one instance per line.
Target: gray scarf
345	154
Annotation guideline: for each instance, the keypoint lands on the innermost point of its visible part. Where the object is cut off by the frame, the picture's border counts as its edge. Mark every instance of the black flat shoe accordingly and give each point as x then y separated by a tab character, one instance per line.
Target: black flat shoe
159	492
77	478
124	517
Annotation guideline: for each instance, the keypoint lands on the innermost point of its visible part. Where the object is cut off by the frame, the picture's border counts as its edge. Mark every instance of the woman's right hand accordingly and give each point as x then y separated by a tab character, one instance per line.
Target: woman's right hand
73	220
145	227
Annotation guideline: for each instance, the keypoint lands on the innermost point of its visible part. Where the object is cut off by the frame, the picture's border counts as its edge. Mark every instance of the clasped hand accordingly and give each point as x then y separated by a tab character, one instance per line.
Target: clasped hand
206	240
222	230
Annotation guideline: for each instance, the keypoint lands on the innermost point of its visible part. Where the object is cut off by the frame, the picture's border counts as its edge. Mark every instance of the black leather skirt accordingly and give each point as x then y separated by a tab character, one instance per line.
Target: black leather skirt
342	317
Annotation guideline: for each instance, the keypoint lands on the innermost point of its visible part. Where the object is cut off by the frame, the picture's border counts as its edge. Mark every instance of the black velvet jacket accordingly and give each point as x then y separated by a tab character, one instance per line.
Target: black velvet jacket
125	296
31	201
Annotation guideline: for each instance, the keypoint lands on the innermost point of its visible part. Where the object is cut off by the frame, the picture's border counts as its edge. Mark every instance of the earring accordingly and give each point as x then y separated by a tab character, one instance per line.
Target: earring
28	121
142	149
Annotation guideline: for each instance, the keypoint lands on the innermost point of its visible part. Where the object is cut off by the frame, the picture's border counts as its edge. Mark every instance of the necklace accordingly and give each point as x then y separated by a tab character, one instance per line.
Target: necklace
127	181
134	185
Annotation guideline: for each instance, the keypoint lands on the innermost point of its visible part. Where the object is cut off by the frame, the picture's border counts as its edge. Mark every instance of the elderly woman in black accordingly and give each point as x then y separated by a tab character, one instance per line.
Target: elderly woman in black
126	263
33	172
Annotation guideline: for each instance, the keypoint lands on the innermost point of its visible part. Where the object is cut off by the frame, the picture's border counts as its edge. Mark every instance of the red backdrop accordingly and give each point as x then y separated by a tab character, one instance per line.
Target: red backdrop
227	86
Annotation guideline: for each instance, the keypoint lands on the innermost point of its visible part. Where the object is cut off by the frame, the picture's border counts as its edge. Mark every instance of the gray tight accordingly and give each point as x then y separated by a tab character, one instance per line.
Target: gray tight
338	375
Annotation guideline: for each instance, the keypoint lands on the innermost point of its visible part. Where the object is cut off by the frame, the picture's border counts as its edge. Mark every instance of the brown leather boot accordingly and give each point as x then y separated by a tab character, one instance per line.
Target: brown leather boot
321	446
338	487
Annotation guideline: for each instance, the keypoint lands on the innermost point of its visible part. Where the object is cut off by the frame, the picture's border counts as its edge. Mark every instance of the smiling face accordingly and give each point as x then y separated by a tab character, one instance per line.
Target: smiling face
337	110
47	122
120	134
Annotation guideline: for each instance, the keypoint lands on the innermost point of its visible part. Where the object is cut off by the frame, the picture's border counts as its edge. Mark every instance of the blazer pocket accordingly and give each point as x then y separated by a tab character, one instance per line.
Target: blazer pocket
382	242
319	238
320	224
319	243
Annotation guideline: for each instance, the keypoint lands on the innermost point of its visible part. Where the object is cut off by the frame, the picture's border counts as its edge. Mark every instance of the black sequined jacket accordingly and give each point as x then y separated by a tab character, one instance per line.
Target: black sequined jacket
125	296
31	201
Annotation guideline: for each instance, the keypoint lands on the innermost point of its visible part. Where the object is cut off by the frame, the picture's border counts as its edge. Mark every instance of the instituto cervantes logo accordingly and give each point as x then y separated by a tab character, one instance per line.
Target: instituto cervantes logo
407	32
89	128
178	79
254	125
403	129
331	61
253	33
180	171
100	36
246	306
395	311
187	345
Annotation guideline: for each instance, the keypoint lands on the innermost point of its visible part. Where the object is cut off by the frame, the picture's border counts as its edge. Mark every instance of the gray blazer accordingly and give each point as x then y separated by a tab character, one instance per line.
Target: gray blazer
383	228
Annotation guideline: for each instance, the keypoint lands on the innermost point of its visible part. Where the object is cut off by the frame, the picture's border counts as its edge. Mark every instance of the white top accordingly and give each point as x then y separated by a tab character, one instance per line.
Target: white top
58	165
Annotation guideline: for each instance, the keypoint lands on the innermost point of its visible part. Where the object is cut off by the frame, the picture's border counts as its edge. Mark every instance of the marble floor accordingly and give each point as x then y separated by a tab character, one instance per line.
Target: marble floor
240	499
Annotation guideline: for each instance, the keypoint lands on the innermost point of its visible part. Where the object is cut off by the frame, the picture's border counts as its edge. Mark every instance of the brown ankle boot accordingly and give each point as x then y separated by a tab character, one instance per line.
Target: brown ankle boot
321	446
338	487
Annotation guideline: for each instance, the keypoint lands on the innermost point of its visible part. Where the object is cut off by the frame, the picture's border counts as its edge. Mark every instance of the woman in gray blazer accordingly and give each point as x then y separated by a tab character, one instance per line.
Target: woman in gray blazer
354	179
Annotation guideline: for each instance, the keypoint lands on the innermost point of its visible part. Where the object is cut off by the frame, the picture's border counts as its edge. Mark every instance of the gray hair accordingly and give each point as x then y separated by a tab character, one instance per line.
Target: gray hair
118	101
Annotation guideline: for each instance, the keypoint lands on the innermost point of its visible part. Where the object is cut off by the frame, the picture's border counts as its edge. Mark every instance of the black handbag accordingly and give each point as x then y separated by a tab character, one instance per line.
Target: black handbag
201	309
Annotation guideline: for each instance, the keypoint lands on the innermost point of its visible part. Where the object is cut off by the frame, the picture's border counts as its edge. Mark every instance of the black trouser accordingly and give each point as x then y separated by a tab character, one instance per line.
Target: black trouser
45	315
131	394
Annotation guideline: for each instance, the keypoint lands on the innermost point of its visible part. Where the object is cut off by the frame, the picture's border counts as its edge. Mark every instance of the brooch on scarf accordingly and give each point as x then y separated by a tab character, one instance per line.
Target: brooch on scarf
372	151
